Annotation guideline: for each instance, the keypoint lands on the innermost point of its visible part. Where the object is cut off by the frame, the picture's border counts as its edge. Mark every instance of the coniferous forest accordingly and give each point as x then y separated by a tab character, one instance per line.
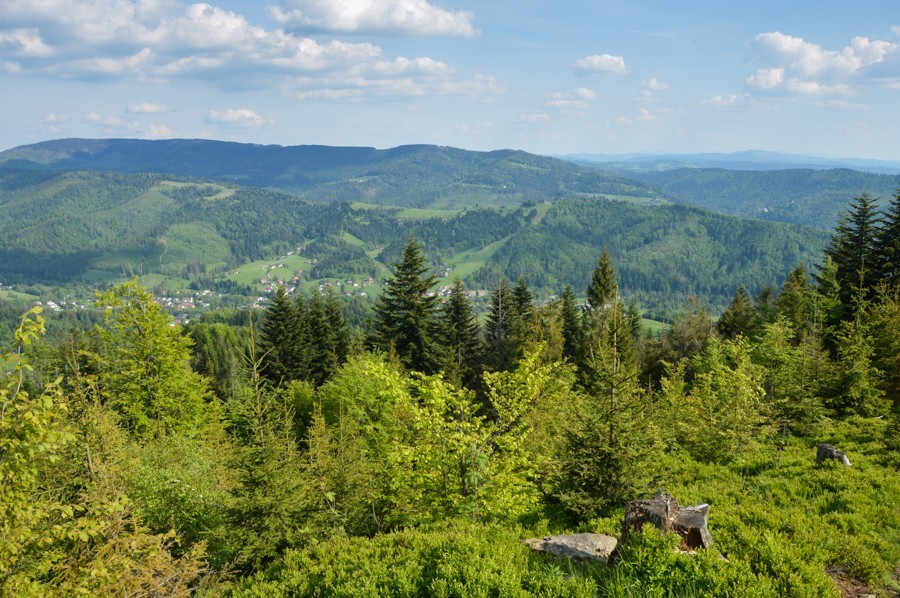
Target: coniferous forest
286	453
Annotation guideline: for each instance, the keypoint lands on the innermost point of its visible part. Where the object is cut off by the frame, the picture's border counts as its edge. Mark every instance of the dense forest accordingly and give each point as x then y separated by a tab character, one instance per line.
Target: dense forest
287	455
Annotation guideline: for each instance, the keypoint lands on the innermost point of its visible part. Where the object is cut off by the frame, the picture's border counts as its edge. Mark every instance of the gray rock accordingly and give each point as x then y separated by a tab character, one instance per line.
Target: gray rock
827	451
578	547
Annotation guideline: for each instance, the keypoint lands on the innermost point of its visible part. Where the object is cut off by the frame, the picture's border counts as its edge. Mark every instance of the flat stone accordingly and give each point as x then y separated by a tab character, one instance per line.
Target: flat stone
578	547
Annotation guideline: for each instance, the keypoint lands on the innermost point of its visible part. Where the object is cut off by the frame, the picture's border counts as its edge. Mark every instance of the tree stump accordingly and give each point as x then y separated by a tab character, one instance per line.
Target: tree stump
664	513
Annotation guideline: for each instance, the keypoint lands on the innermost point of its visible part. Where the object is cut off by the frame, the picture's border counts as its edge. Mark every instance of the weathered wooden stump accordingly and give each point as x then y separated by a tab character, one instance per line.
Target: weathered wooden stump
664	513
827	451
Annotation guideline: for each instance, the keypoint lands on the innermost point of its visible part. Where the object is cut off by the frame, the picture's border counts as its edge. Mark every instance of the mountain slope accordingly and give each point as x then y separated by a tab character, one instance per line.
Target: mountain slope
413	175
805	197
68	226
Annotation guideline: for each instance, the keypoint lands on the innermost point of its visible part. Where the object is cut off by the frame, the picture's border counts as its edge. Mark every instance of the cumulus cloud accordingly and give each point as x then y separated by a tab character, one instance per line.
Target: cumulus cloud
766	78
54	118
23	42
653	84
601	63
107	121
155	40
395	17
241	117
571	100
159	132
146	108
793	65
721	101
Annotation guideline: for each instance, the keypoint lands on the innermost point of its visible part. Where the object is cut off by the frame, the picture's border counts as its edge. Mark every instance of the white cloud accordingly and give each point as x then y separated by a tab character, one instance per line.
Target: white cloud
813	88
241	117
146	108
895	29
54	118
766	78
397	17
536	117
842	104
894	85
24	42
159	132
601	63
156	40
578	99
720	101
11	68
645	116
793	65
107	121
653	84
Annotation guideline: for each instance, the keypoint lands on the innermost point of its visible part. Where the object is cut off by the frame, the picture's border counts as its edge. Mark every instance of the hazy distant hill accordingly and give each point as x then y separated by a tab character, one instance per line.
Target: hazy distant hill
414	175
746	160
807	197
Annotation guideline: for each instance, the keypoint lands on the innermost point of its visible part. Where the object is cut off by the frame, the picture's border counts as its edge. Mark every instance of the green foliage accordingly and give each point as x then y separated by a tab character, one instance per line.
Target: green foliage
145	366
722	413
33	433
455	559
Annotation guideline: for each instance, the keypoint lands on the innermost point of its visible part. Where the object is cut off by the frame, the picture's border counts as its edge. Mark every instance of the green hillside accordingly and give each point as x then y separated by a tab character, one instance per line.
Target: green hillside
799	196
59	228
412	176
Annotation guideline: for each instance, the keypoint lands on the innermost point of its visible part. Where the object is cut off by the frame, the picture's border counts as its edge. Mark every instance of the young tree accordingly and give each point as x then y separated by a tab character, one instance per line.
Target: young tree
145	371
405	315
740	317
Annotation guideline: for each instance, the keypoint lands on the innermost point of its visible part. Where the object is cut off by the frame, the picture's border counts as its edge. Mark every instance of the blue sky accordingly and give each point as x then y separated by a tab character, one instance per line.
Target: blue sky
547	77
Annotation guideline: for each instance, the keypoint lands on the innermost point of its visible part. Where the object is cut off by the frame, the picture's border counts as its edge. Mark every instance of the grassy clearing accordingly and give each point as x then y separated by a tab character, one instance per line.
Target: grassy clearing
467	262
9	295
426	214
283	268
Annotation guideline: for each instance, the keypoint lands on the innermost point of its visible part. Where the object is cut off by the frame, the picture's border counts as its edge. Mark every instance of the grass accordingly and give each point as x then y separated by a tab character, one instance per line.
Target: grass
467	262
426	214
251	273
9	295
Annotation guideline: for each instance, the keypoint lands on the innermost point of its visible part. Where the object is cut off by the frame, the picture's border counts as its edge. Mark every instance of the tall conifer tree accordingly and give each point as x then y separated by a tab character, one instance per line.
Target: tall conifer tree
280	339
602	290
460	338
405	315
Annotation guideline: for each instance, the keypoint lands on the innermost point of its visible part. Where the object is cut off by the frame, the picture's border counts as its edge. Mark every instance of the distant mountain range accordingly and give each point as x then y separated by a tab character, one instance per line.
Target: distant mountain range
746	160
412	175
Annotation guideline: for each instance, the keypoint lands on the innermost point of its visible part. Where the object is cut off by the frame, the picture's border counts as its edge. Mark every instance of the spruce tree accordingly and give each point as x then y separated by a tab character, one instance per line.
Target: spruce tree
571	326
461	339
795	302
602	290
405	314
887	244
280	339
852	250
740	318
499	331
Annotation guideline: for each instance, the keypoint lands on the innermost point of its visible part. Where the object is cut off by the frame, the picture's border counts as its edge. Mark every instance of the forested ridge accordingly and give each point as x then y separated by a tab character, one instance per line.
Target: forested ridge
68	228
286	455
